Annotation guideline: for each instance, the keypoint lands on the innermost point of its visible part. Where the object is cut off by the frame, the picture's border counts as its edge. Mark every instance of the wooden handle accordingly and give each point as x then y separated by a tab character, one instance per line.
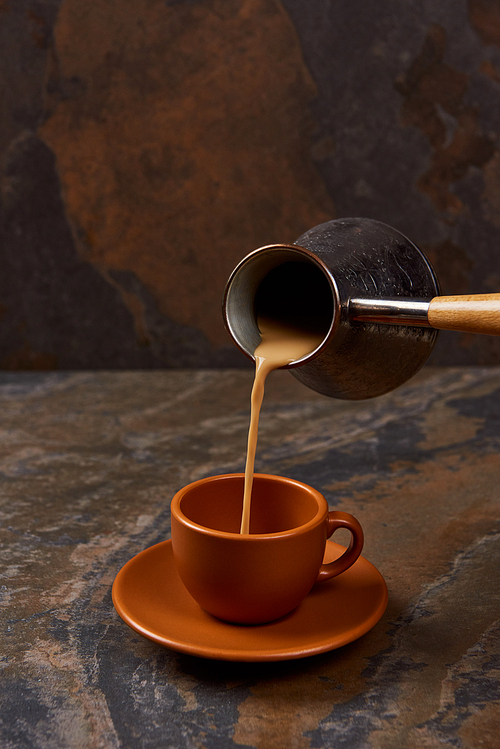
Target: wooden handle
474	313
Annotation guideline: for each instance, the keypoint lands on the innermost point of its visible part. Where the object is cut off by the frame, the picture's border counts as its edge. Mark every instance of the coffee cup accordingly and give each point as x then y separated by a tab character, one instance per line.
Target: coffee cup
261	576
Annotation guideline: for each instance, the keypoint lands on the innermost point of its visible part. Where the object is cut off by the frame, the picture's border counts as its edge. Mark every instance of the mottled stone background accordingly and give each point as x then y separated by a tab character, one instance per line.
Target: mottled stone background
147	145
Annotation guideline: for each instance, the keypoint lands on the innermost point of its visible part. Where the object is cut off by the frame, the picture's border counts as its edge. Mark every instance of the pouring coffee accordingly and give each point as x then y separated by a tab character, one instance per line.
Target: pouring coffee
370	294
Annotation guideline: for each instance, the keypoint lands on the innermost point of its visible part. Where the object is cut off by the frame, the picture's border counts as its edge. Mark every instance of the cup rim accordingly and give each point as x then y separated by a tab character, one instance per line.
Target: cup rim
322	511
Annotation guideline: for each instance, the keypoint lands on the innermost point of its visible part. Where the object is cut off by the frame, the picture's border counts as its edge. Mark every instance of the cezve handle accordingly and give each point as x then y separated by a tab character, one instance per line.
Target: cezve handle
470	313
474	313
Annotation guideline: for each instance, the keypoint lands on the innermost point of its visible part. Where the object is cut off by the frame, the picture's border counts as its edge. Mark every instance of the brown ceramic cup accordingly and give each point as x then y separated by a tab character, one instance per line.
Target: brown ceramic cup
261	576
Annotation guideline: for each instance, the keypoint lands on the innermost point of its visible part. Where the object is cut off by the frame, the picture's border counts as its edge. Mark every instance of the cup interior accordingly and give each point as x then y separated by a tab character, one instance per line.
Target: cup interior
277	504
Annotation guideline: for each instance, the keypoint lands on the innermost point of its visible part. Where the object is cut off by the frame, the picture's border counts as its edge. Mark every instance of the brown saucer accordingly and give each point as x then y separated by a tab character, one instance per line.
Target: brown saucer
150	598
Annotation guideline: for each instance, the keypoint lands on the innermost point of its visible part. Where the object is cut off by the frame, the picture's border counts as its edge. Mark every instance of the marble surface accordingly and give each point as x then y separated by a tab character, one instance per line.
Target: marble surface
89	463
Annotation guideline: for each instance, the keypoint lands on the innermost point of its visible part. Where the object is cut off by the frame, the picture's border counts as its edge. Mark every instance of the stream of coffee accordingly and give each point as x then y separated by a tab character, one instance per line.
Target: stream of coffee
280	344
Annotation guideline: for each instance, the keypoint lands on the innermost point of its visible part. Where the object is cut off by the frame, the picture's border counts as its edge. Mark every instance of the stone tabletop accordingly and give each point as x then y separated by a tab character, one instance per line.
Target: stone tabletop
89	463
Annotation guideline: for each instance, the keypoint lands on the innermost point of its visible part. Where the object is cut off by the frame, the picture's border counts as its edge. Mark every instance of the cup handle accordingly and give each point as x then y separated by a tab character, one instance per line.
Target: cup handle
334	521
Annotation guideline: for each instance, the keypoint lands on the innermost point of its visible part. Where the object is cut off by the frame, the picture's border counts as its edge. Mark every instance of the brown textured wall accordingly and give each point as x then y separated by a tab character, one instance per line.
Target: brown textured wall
148	145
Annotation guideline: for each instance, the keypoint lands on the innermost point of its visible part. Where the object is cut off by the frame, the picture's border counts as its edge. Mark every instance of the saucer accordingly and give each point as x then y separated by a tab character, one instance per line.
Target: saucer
150	597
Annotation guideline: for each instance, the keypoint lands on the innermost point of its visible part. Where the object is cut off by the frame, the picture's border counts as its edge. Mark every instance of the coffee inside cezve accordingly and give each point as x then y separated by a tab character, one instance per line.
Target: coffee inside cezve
294	310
